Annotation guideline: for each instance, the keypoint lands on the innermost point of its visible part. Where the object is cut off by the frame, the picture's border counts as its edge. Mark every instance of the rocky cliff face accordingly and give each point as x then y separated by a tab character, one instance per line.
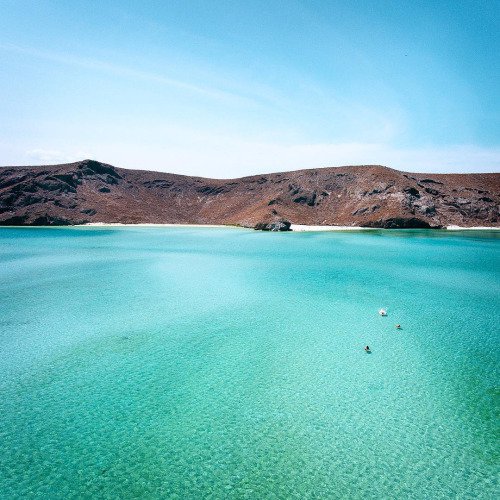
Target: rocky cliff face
374	196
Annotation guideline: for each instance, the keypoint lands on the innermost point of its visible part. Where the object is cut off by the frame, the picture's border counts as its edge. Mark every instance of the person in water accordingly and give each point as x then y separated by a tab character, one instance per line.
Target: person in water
398	326
367	348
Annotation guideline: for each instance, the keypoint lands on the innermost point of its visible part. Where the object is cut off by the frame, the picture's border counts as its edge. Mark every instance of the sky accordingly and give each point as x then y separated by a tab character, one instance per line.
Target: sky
229	88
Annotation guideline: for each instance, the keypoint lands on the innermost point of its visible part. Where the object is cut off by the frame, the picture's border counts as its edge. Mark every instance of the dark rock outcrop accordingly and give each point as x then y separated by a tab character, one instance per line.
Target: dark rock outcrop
400	223
281	225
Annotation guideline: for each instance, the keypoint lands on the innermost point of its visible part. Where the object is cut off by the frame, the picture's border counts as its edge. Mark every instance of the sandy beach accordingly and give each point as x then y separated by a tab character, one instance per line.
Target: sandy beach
303	227
119	224
294	227
475	228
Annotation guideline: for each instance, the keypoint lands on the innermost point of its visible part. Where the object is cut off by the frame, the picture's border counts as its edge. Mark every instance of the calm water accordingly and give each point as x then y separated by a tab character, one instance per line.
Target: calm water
227	363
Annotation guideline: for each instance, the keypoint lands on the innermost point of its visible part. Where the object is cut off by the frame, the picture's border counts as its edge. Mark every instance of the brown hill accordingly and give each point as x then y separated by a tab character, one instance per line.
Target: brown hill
90	191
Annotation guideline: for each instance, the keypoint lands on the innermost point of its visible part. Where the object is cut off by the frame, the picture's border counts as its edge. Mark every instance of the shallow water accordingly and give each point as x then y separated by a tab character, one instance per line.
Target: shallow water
228	363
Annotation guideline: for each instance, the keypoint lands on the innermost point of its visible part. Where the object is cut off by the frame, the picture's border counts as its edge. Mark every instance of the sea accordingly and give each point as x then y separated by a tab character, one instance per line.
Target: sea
187	362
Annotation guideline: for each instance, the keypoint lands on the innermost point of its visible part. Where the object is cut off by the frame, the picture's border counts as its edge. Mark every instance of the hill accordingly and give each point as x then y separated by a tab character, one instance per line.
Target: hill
372	195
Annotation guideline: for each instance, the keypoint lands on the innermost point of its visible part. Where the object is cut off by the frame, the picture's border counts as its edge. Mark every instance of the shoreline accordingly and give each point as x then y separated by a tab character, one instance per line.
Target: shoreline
295	228
306	228
473	228
147	224
303	228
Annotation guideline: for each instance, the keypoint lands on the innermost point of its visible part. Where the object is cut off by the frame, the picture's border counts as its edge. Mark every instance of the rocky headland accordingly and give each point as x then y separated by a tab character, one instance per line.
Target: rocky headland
369	196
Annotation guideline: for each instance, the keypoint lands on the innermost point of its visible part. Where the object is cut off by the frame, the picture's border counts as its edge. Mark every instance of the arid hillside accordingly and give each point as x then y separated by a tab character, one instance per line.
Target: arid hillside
372	195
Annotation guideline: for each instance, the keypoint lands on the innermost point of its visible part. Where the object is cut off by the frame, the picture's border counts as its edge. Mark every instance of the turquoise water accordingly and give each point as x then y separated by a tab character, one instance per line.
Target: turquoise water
228	363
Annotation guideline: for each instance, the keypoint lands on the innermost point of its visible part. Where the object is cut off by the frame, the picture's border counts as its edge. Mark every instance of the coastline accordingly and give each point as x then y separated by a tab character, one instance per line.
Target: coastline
474	228
305	228
145	224
297	228
293	227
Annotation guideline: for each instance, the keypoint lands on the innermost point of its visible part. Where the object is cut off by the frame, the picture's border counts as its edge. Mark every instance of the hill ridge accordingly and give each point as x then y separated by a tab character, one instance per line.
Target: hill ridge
359	195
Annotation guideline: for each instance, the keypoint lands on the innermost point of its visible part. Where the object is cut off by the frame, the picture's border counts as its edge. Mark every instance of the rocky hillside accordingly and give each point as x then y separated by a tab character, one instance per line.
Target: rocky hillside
376	196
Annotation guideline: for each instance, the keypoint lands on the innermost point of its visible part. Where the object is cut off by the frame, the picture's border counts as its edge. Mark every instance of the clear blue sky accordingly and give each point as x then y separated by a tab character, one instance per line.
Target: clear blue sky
226	88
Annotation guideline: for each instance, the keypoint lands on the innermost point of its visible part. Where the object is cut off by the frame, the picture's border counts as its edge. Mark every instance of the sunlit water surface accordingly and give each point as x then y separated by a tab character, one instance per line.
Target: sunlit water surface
228	363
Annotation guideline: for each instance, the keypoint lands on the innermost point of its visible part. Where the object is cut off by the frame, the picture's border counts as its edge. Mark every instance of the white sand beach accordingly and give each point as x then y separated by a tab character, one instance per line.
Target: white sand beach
119	224
475	228
294	227
303	227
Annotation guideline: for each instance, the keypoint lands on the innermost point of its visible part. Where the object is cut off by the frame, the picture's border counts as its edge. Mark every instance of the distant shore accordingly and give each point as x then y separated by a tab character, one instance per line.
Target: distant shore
298	228
145	224
475	228
305	228
294	227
